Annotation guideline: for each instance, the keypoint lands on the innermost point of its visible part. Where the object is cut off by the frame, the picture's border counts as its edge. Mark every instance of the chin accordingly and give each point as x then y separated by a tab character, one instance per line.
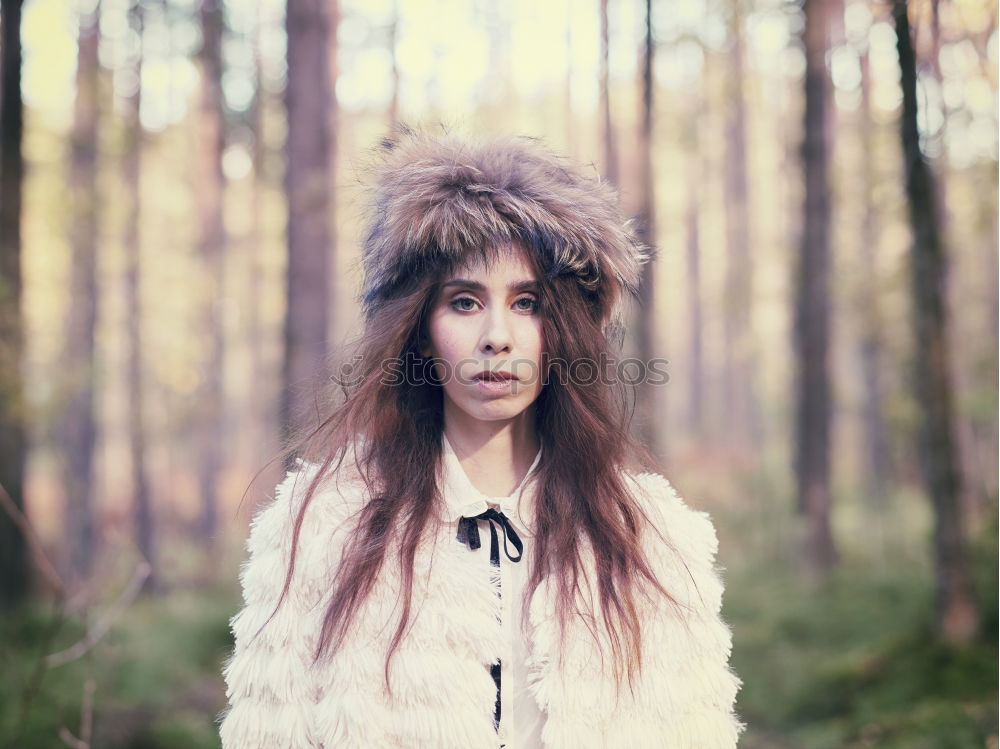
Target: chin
497	410
495	413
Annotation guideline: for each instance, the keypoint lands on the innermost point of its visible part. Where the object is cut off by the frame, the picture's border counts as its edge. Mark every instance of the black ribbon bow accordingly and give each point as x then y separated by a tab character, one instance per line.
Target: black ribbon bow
468	533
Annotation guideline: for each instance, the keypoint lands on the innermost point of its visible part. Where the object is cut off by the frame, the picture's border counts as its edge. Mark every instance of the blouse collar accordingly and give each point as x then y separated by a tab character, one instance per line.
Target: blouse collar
462	499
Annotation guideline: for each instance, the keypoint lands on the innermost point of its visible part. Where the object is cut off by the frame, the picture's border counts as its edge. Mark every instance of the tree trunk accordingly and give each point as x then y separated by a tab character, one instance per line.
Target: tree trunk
812	323
308	147
571	137
693	285
653	416
607	128
211	247
738	365
695	166
941	185
955	604
142	499
393	34
333	114
14	567
79	432
876	450
261	412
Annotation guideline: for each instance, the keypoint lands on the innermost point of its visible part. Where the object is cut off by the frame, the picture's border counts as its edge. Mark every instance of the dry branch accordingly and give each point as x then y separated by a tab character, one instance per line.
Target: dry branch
95	633
44	565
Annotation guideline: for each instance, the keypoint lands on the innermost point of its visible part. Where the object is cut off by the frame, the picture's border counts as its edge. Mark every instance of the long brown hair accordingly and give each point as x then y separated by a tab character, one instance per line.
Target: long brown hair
581	491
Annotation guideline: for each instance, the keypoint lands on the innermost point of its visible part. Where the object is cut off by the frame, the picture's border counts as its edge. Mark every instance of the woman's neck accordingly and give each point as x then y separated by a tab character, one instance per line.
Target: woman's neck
495	456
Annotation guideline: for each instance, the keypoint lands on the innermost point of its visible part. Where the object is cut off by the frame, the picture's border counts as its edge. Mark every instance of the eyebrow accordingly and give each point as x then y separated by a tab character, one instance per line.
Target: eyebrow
526	285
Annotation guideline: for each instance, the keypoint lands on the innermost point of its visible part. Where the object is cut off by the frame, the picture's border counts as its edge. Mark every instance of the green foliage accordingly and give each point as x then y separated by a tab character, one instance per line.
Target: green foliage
855	663
157	675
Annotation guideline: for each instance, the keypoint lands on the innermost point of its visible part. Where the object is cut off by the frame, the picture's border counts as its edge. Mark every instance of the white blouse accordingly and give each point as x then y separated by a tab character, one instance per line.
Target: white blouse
521	718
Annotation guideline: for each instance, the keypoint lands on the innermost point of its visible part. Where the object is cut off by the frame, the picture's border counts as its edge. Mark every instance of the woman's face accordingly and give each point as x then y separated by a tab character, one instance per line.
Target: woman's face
488	321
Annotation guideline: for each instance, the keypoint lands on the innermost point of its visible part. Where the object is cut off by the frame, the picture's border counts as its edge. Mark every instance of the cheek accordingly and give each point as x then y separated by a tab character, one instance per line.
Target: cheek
532	345
437	333
534	339
447	342
450	340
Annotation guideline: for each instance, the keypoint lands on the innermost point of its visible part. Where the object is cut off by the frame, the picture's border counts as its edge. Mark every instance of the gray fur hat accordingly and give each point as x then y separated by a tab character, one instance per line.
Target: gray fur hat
435	198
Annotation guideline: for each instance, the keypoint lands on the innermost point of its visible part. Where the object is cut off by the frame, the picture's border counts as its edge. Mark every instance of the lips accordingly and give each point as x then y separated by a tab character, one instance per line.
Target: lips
498	376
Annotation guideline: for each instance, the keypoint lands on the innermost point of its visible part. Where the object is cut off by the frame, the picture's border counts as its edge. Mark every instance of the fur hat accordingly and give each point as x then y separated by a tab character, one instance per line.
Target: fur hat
436	198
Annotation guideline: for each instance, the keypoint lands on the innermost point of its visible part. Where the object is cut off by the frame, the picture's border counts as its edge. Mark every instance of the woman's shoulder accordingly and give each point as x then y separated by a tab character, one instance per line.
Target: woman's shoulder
326	522
690	530
330	495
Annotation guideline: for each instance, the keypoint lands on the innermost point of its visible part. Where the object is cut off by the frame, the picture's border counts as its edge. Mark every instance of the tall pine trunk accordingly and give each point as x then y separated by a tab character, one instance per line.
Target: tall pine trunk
212	247
653	420
307	95
141	493
394	80
692	267
332	116
957	614
607	125
14	567
261	412
875	446
740	408
79	432
812	314
570	126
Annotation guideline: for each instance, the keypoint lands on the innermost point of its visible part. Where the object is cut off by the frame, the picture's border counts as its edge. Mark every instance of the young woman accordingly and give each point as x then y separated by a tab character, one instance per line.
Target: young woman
468	553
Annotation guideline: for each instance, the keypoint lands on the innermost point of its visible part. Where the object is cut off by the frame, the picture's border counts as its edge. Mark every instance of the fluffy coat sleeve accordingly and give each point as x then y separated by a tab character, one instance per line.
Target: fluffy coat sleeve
701	710
269	676
685	695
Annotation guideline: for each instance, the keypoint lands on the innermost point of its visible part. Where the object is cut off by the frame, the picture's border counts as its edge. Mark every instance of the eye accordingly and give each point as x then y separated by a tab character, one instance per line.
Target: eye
532	303
458	301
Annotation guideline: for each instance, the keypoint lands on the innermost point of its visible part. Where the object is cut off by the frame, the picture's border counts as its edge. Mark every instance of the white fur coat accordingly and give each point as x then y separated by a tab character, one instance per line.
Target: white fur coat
443	693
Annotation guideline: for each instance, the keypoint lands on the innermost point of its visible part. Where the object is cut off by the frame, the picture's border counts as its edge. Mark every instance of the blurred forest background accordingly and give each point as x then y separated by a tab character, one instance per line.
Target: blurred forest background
179	230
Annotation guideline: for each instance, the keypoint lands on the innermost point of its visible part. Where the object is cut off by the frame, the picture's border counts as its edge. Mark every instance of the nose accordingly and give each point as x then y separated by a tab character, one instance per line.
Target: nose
496	336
